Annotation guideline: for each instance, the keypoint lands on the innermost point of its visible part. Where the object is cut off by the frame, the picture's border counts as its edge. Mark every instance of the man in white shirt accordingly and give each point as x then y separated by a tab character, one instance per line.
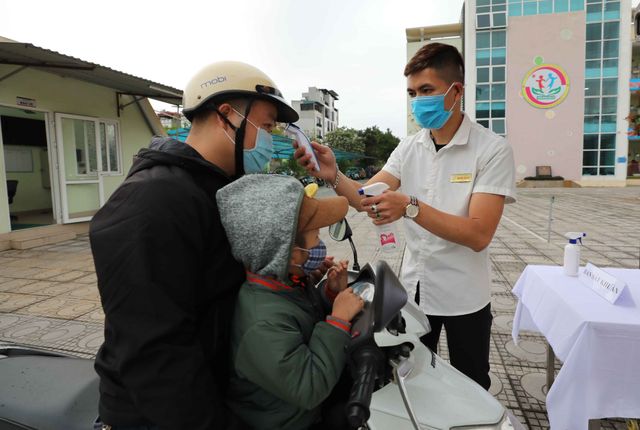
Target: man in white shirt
450	182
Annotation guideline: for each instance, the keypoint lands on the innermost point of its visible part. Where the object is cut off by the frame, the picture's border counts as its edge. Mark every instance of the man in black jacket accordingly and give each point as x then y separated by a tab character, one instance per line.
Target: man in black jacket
166	276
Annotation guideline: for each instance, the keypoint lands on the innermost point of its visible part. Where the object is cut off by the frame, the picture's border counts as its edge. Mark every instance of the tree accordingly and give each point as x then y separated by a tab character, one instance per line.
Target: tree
297	169
345	139
278	130
377	144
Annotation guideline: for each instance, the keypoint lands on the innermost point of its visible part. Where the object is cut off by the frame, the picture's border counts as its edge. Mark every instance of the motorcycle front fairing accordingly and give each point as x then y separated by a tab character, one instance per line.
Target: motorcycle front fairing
441	396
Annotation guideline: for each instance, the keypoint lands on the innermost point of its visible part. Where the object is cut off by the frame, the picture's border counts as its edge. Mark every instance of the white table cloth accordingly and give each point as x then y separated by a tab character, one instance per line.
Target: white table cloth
597	342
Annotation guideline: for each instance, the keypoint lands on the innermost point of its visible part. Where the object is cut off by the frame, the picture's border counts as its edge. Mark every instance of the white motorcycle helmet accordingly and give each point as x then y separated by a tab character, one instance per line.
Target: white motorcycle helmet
227	80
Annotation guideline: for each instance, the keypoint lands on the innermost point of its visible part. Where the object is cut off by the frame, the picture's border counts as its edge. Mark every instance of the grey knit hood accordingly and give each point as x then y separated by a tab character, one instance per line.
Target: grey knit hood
260	215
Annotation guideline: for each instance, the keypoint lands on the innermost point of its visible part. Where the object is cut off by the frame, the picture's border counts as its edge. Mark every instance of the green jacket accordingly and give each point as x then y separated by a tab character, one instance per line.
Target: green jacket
286	358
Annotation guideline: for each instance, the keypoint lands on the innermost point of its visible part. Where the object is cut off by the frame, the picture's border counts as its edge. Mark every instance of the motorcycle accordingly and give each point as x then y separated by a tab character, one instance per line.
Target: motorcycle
46	391
398	382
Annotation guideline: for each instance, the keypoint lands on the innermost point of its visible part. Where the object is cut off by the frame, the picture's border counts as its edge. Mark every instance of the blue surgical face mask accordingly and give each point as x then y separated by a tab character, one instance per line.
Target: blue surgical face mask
317	254
429	111
257	158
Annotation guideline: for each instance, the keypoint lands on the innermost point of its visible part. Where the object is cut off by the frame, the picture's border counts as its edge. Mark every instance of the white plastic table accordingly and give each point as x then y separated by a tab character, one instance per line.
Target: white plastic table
597	342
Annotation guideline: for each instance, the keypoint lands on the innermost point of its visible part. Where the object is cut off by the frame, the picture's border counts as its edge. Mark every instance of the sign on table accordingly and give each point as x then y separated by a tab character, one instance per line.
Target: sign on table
604	284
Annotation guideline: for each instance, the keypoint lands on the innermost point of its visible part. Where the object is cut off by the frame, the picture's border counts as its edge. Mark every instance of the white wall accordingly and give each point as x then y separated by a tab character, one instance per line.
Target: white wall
624	94
53	94
5	222
469	55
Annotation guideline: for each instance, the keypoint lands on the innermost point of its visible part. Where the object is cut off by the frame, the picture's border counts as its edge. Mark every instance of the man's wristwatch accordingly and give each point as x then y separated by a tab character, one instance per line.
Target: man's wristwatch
412	209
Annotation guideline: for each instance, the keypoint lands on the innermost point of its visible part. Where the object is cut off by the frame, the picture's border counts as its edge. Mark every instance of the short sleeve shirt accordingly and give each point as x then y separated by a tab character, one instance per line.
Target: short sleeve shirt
454	279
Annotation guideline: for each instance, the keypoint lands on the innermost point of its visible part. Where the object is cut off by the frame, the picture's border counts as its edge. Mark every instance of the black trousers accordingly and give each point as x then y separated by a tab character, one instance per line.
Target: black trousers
468	339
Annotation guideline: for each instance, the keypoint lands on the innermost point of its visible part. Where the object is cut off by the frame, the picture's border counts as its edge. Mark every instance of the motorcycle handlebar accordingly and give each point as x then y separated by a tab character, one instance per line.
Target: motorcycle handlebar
360	397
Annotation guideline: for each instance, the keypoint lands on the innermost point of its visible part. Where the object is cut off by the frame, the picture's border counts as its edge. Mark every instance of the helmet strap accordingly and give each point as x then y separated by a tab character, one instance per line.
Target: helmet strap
240	132
225	119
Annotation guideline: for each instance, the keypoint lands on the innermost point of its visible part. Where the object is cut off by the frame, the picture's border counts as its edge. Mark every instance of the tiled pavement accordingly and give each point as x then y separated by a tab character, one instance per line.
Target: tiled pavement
48	295
48	298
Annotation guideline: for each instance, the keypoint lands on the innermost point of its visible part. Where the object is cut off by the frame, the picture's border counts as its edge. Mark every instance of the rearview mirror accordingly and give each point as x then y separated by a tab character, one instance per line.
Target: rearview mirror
340	231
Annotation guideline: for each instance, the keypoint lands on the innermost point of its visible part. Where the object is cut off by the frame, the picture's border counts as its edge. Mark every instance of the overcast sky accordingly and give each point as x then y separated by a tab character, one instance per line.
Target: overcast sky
356	48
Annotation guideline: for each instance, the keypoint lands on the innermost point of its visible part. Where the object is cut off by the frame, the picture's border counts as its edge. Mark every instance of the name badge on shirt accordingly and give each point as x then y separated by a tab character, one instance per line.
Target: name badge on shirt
458	178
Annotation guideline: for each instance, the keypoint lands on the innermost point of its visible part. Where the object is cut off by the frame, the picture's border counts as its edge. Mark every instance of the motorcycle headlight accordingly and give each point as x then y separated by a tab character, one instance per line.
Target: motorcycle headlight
504	424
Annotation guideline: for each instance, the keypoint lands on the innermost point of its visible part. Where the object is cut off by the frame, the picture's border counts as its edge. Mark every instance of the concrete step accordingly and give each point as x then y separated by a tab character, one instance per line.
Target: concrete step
37	231
51	238
39	236
547	184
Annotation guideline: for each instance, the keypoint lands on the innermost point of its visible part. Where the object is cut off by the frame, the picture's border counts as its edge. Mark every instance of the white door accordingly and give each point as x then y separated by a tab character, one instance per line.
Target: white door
81	148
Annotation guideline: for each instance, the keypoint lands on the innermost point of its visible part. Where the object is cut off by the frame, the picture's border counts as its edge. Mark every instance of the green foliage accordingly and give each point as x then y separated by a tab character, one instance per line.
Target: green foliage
298	170
278	131
371	142
377	144
345	139
344	164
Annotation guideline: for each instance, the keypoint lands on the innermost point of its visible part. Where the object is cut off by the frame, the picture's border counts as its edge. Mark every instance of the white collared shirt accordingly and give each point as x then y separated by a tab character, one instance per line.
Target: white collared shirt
454	279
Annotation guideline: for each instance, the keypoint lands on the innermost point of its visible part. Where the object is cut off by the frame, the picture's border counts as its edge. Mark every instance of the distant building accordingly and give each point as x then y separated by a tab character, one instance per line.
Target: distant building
318	114
171	120
555	78
68	132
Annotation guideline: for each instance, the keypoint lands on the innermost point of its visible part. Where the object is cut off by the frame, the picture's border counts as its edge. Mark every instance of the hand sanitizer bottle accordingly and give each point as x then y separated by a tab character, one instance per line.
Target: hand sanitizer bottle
572	253
387	235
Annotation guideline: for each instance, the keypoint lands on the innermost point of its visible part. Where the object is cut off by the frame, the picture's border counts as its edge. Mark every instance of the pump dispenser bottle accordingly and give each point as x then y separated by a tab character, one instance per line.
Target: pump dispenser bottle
572	253
387	235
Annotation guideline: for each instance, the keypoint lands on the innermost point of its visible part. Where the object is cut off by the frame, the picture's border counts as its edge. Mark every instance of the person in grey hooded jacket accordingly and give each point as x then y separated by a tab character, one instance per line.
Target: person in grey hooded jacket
287	353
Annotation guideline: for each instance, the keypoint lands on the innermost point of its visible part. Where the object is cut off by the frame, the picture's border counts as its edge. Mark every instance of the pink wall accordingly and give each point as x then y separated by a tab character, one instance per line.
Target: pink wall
549	137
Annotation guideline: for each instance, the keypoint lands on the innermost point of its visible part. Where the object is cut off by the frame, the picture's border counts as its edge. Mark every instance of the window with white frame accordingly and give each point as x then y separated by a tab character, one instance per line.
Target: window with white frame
491	14
601	88
491	54
84	134
87	146
110	147
541	7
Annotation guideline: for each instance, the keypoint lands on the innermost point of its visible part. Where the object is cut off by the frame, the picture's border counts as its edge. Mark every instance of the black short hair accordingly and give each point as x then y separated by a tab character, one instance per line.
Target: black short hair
203	113
444	59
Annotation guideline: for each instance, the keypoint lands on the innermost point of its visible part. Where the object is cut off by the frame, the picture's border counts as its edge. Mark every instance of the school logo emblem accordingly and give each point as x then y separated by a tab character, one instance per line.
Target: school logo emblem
545	86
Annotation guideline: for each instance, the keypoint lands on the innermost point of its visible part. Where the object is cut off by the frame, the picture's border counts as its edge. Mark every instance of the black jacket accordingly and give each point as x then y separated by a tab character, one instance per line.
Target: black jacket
168	285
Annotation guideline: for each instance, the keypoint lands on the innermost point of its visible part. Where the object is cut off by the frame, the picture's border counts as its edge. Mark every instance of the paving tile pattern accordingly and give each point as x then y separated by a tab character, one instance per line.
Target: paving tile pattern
49	297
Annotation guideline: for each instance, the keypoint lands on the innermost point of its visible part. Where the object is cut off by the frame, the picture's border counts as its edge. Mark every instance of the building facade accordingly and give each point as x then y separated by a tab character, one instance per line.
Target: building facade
172	120
68	132
553	77
318	114
633	168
